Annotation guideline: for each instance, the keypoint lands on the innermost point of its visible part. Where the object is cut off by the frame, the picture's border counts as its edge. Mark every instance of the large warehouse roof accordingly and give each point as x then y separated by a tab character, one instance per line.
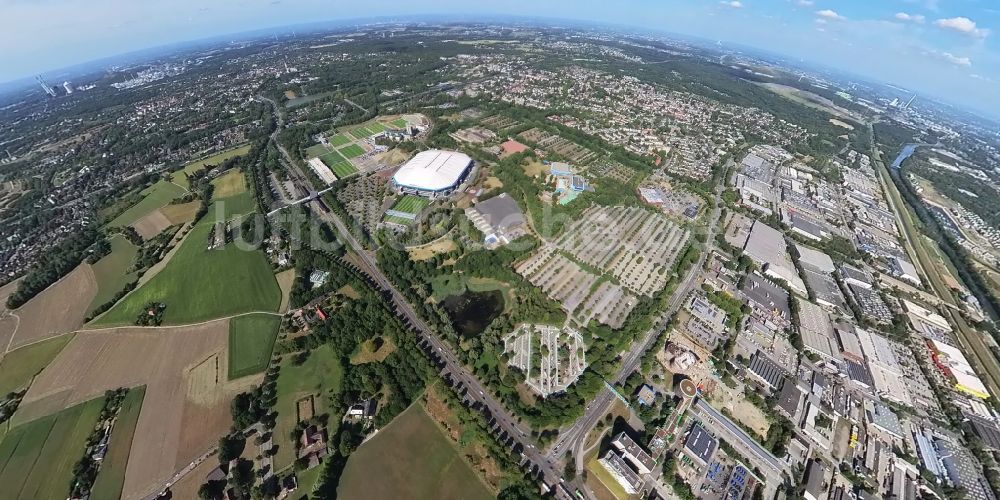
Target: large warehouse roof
432	170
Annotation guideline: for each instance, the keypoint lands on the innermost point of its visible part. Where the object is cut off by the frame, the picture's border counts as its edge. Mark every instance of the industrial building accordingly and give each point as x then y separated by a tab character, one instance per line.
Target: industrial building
432	173
499	219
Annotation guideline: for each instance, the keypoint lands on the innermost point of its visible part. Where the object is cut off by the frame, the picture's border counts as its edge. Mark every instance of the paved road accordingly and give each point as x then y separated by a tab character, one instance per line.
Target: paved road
512	432
575	436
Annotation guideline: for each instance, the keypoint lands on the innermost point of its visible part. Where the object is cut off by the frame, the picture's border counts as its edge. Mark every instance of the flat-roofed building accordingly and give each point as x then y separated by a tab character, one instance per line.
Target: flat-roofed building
768	372
700	444
766	246
499	219
639	457
629	479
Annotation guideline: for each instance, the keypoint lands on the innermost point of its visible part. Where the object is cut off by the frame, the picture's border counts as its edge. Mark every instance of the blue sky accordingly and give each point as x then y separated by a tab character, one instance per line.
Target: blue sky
945	48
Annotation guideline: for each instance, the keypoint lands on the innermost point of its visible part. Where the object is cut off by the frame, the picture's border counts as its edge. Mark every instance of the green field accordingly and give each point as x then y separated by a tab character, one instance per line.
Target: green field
111	478
343	169
352	151
410	204
19	366
414	459
399	123
156	196
213	160
199	284
37	457
251	339
376	127
338	140
332	158
316	150
361	132
231	206
111	271
320	374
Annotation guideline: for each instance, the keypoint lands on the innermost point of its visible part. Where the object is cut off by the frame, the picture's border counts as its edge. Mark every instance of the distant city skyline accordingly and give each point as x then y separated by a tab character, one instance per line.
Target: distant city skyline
941	48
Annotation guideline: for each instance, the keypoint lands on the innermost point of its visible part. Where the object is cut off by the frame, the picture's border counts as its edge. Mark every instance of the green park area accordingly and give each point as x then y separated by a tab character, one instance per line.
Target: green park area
37	457
180	178
198	284
154	197
111	477
414	459
112	271
251	339
19	366
352	151
312	379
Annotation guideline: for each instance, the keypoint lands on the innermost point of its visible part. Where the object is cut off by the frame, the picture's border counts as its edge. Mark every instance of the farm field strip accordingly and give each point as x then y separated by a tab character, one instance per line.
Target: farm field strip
251	339
111	272
37	457
111	477
180	179
156	196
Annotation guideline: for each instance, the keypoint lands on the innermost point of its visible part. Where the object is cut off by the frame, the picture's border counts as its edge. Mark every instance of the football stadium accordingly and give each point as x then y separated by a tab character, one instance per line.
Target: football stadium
432	173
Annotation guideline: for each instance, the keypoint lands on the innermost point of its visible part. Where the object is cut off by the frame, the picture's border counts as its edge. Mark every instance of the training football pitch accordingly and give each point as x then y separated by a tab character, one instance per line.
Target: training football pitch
352	151
338	140
410	204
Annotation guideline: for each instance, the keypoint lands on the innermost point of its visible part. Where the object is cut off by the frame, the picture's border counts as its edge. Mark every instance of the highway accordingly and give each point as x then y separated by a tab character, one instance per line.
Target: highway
575	437
505	425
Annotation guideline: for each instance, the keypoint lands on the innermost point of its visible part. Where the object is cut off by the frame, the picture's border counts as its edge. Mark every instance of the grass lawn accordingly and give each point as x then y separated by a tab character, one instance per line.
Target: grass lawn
399	123
318	376
352	151
111	478
410	204
37	457
251	339
317	150
19	366
112	270
343	168
376	127
367	353
199	284
338	140
229	184
414	459
214	160
361	132
155	196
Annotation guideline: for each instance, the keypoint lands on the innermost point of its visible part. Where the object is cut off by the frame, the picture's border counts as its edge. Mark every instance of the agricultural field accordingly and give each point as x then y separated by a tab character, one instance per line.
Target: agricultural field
60	308
285	281
230	207
180	178
156	196
112	271
186	405
251	339
111	477
152	223
415	459
180	213
352	151
317	377
229	184
19	366
199	284
37	457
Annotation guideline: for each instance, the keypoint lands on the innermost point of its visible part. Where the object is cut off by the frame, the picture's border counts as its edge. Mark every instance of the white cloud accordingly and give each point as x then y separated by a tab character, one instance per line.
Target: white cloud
736	4
948	57
962	25
912	18
805	3
829	14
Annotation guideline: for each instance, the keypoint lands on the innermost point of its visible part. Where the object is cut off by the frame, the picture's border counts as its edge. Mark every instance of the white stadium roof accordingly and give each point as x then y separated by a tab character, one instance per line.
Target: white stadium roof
432	170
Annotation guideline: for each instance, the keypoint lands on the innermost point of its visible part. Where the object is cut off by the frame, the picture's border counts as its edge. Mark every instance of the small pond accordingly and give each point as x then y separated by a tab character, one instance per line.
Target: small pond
471	312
